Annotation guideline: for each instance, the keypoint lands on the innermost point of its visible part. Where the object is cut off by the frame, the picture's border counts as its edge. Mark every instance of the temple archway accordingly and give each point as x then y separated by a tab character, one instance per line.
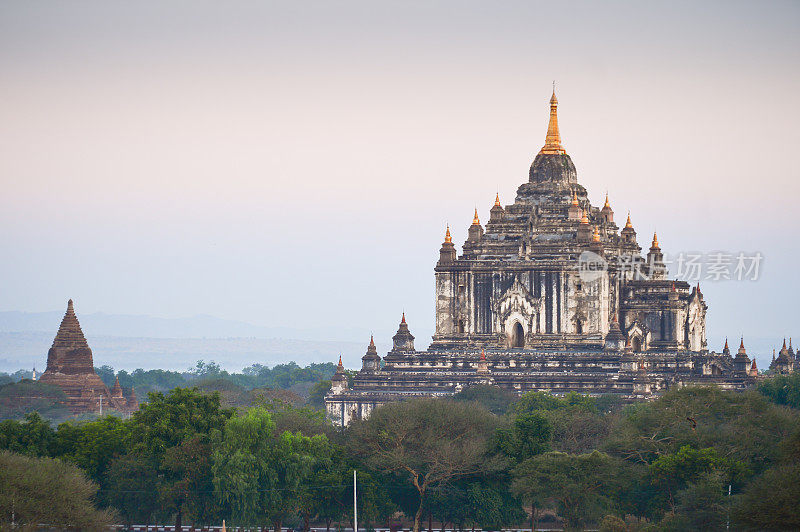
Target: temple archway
636	344
517	335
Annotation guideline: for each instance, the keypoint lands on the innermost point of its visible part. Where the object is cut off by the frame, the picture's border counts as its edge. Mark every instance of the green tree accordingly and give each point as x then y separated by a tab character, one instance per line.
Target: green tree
262	477
493	398
782	389
132	488
528	435
187	485
430	441
167	420
47	490
581	486
316	397
92	445
32	437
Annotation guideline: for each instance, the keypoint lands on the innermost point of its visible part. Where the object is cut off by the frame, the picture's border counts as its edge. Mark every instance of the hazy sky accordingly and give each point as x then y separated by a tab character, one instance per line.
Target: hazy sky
294	163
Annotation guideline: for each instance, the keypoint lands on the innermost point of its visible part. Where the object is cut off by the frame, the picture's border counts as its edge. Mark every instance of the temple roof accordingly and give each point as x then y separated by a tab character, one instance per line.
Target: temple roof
70	335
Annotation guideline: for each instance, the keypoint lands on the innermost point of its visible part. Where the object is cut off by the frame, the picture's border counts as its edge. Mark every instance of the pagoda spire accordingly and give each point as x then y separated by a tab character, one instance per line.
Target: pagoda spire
475	220
628	224
552	142
497	200
447	238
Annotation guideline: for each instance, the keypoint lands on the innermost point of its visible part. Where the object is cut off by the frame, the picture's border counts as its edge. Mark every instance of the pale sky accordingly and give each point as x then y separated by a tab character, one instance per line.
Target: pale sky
295	163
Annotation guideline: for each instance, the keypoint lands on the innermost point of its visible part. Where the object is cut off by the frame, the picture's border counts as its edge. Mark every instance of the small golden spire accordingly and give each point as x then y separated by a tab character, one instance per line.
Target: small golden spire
607	206
475	220
447	238
655	240
552	142
574	199
596	235
497	200
584	218
628	224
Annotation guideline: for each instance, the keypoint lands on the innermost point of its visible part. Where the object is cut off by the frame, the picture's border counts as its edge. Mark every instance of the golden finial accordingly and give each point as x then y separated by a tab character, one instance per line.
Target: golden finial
497	200
655	240
596	235
628	224
584	218
475	220
552	142
607	206
574	198
447	238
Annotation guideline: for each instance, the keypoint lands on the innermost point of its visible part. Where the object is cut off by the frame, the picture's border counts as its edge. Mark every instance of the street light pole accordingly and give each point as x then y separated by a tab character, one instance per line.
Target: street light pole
355	505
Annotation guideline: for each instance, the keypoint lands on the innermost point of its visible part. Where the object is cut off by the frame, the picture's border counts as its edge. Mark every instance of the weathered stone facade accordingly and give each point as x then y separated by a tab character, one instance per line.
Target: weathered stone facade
70	366
553	296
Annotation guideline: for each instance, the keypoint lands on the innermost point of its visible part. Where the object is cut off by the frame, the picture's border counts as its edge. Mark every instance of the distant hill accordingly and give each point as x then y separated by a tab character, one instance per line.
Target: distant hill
199	326
133	341
25	349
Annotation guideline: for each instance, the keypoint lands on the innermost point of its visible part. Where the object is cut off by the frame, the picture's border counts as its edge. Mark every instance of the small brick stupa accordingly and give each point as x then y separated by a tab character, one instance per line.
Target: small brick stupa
70	367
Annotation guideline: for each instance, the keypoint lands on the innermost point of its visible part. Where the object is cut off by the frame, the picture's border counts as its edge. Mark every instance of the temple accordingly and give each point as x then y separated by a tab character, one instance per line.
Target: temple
551	294
70	366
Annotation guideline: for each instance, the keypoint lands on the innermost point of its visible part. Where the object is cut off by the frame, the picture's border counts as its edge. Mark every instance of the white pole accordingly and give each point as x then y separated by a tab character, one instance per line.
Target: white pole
355	506
101	405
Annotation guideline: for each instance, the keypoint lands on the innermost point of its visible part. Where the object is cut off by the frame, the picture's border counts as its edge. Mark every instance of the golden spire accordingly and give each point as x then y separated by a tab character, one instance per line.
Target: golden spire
574	198
596	235
475	220
497	200
607	206
552	142
584	218
447	238
655	240
628	224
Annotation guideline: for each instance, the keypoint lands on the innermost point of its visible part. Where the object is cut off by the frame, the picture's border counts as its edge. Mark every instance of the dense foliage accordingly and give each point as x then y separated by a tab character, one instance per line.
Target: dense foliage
693	459
254	385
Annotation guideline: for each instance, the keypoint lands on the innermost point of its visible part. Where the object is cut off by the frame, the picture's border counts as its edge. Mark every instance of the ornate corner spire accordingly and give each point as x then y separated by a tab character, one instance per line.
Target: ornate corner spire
655	240
497	200
447	238
596	235
584	218
475	220
607	205
628	224
552	142
574	199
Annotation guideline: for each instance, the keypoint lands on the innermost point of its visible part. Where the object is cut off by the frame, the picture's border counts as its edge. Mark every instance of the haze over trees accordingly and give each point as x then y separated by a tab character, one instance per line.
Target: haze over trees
483	459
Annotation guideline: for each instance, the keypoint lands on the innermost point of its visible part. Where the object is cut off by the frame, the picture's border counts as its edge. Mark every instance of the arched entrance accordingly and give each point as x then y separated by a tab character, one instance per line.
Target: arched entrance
517	336
636	344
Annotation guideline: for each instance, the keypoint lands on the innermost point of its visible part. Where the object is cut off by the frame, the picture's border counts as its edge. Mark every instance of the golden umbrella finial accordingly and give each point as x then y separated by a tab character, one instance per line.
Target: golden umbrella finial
584	218
596	235
552	142
475	220
607	205
655	240
497	200
574	198
628	224
447	238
